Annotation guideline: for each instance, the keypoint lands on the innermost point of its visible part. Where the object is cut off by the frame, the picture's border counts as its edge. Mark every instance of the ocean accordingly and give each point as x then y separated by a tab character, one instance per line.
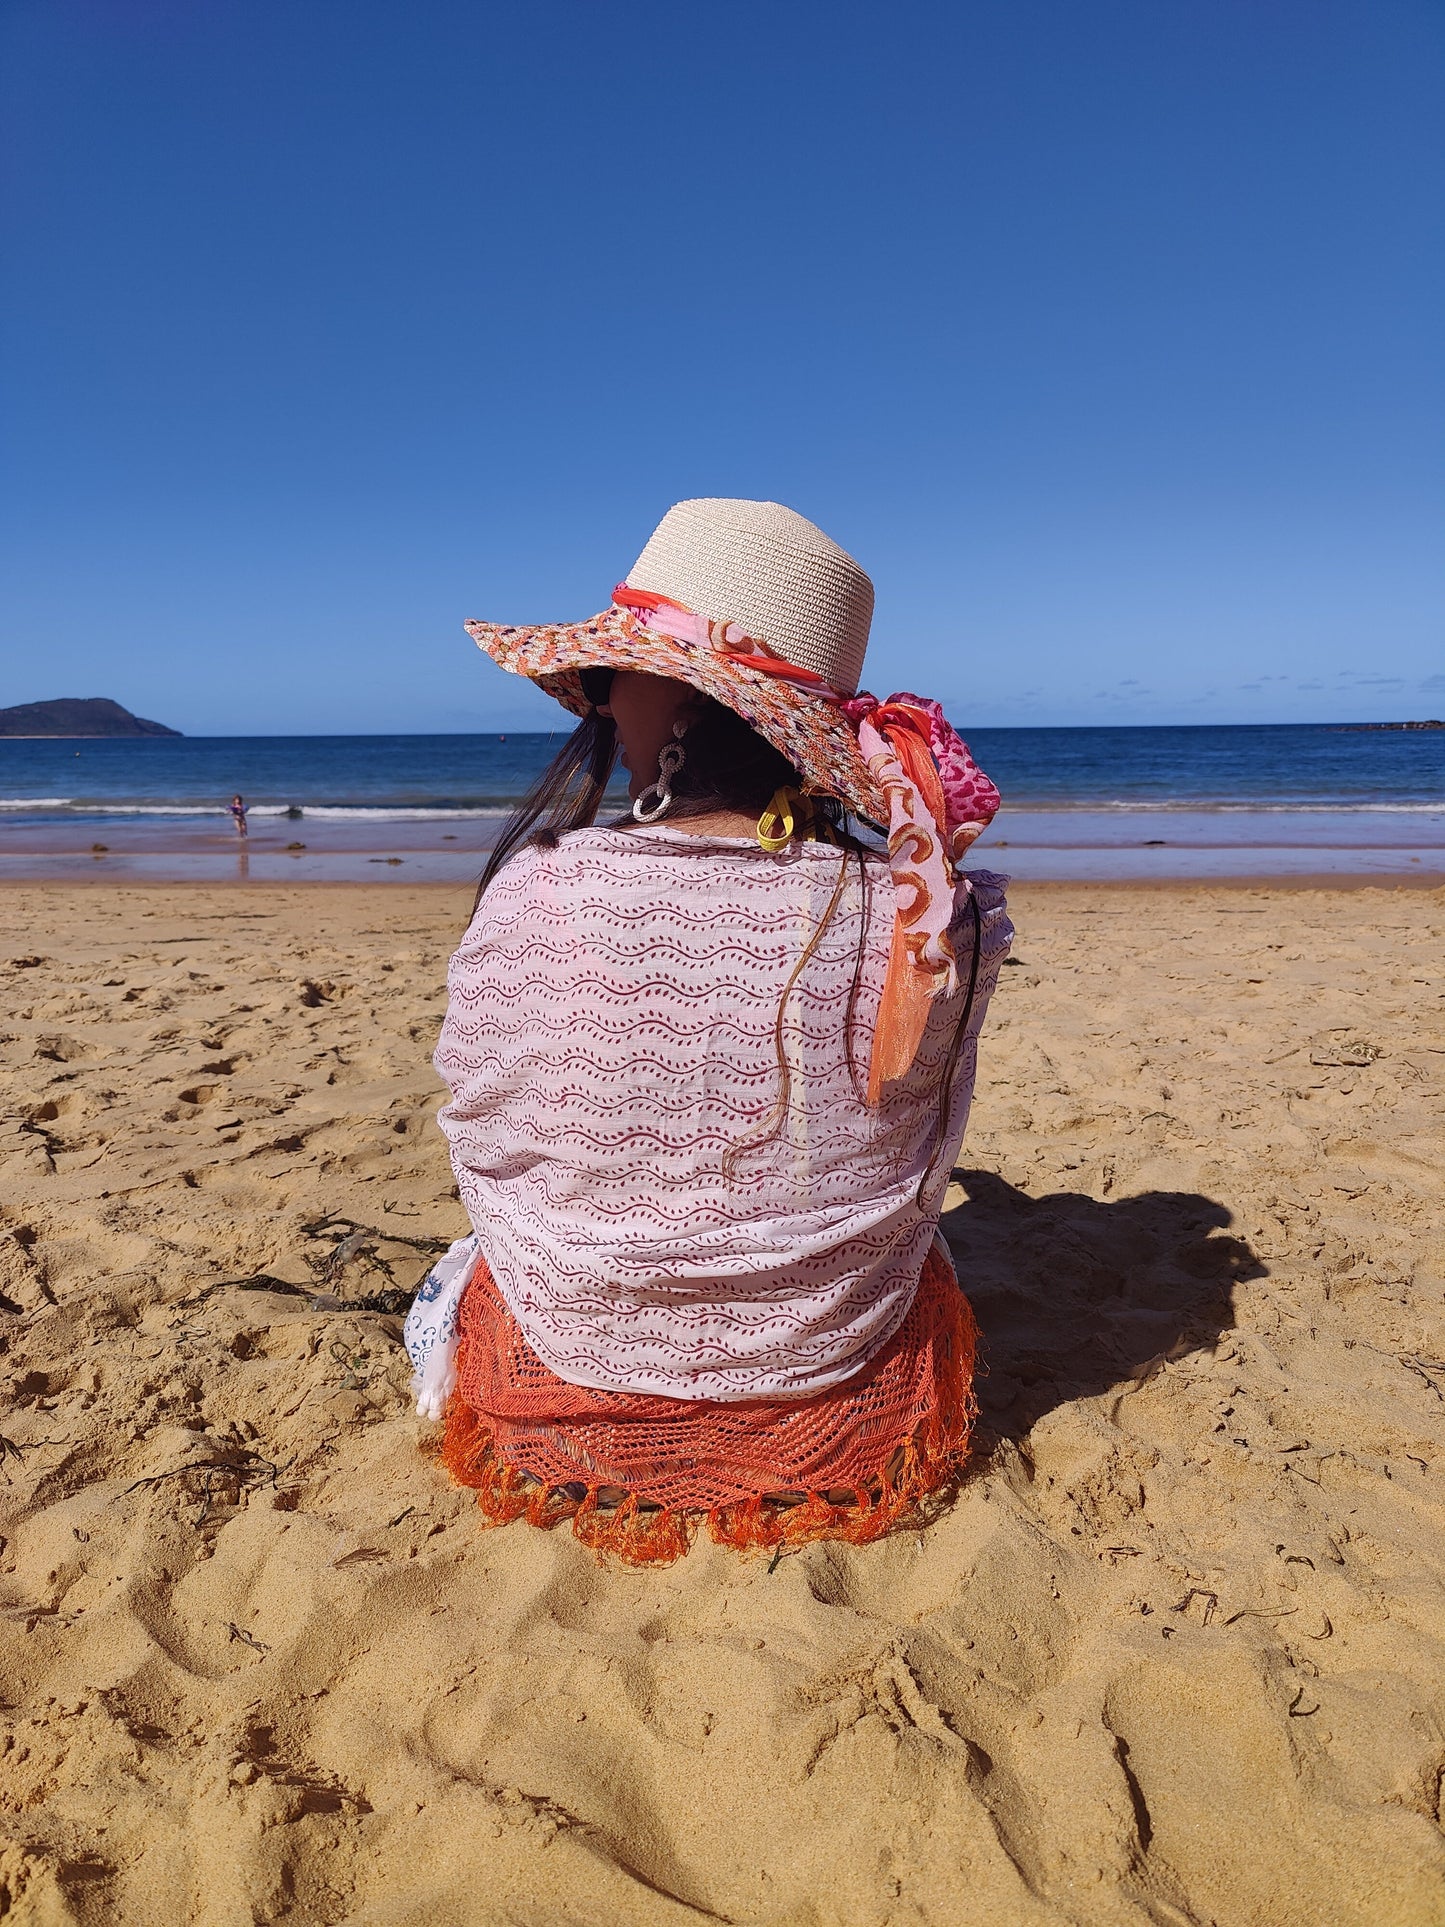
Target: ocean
1094	802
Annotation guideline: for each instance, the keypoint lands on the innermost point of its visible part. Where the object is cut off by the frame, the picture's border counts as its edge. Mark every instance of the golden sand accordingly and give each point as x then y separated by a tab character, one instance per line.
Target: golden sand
1175	1655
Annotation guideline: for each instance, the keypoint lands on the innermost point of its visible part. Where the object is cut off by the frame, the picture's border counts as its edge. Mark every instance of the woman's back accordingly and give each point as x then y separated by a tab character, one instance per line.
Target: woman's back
708	1075
655	1221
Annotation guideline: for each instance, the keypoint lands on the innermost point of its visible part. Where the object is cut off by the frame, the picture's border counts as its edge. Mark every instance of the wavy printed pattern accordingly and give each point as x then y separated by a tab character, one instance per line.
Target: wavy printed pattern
610	1037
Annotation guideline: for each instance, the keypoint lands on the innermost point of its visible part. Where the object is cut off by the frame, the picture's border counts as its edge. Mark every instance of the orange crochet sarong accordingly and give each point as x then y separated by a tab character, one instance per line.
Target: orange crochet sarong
850	1463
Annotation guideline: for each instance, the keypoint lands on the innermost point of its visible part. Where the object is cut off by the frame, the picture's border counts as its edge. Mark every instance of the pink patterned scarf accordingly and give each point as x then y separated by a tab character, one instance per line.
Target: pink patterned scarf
939	801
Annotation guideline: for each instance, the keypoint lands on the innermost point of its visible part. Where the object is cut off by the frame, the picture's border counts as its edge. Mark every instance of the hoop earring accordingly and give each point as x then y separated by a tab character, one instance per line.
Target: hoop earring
670	760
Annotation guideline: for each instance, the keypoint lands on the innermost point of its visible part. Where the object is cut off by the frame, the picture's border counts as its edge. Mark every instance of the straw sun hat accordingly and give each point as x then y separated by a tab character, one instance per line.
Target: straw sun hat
750	603
755	606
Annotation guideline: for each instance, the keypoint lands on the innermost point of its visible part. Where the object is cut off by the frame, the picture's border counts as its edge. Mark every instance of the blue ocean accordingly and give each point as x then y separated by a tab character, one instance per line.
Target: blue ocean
1101	801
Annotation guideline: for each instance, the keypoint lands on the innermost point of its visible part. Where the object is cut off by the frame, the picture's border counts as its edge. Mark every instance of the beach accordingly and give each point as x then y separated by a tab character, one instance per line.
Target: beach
1172	1655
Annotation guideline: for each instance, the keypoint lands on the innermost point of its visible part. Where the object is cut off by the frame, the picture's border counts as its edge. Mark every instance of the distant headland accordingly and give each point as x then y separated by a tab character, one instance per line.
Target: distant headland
77	716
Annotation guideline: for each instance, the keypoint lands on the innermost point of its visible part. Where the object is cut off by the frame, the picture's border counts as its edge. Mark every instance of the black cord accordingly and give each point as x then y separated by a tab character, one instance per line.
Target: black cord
973	967
960	1043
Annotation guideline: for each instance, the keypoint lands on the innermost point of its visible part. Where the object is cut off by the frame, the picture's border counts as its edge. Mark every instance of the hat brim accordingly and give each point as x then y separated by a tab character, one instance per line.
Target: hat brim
814	734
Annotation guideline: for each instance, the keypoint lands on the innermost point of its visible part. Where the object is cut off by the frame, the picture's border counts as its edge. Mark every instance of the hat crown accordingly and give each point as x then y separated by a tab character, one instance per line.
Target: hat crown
769	570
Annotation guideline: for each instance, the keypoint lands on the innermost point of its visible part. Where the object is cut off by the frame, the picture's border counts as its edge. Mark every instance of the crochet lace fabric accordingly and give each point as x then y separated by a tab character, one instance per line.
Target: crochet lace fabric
850	1463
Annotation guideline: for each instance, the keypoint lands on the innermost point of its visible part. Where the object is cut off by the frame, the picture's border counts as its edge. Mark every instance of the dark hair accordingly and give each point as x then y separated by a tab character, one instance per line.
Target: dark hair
729	766
566	796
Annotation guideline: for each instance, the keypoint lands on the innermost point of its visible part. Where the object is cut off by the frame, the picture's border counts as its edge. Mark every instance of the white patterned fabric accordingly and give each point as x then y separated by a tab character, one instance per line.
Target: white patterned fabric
610	1038
430	1331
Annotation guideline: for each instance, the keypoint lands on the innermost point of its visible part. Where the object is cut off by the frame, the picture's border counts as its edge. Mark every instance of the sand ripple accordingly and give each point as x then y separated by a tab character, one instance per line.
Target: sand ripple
1173	1658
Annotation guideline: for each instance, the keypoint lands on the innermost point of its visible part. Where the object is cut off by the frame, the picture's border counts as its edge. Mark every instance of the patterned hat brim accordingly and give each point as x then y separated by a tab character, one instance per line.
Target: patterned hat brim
814	734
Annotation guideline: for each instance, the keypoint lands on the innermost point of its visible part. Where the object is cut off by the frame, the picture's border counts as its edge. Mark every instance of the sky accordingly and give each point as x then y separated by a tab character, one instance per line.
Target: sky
1106	336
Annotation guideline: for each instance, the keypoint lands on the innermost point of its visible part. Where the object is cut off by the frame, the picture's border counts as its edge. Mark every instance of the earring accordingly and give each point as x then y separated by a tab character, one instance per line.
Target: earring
670	760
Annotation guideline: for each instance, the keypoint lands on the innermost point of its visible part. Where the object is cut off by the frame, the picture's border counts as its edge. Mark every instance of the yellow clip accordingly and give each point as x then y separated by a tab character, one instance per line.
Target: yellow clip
778	815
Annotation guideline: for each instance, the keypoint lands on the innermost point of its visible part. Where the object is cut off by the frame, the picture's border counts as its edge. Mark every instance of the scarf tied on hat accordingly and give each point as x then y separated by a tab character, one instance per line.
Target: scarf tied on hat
938	799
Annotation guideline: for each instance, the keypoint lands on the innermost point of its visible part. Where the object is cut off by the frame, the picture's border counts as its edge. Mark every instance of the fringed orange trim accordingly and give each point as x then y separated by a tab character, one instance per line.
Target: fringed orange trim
643	1533
638	1534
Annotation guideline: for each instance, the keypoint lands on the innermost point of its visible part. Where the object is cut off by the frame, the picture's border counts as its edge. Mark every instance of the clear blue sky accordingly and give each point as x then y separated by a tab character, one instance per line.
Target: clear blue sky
1106	333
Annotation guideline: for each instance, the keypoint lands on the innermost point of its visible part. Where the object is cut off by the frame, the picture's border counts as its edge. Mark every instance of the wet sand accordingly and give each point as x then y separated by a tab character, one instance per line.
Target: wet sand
1173	1655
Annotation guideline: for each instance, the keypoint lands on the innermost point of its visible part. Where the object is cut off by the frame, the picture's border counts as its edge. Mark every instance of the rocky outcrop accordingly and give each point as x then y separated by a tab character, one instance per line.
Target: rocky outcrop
77	716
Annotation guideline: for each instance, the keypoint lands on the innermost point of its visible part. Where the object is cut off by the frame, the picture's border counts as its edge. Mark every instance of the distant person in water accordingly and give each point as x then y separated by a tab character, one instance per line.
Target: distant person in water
238	815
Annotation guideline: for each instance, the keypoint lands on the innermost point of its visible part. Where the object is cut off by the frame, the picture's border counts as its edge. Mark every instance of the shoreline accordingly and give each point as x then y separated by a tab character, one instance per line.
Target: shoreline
1294	883
1088	845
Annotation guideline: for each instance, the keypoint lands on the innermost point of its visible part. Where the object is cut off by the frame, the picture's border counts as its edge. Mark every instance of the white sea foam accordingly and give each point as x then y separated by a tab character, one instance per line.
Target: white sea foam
414	813
409	813
1204	806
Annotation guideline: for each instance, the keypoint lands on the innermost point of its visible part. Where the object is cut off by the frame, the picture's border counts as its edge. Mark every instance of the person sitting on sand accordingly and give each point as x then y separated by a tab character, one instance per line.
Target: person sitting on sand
237	807
709	1068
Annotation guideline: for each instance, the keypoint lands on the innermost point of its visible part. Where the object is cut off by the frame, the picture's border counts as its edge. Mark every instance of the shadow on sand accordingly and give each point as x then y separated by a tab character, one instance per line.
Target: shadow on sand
1074	1296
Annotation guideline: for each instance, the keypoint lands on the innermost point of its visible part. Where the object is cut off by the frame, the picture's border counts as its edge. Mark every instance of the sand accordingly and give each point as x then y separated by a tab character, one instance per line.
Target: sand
1175	1655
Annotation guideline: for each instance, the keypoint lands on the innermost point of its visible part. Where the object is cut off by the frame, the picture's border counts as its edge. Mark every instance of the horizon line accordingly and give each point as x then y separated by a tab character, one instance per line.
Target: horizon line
341	735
